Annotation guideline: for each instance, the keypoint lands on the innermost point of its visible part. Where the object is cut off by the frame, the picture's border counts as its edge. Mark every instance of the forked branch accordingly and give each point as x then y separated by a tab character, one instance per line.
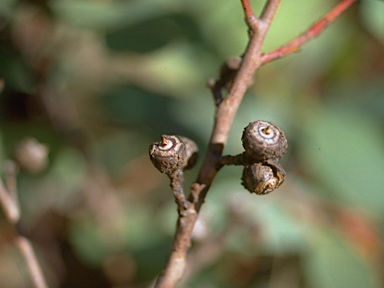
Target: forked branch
226	110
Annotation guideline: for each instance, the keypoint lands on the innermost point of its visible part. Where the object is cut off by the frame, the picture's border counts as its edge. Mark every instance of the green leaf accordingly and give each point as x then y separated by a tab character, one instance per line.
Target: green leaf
87	242
372	15
331	263
343	148
6	7
105	14
153	33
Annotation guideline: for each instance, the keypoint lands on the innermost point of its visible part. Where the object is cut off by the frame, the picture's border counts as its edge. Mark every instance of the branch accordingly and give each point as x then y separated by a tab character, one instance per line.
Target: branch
225	113
240	159
12	213
250	17
177	179
313	31
34	268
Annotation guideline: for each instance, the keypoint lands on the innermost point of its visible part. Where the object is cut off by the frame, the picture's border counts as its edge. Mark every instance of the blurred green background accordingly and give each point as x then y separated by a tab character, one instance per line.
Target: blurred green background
98	81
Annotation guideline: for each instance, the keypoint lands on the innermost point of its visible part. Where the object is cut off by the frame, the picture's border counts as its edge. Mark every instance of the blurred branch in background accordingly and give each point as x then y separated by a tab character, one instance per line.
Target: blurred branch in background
96	81
29	156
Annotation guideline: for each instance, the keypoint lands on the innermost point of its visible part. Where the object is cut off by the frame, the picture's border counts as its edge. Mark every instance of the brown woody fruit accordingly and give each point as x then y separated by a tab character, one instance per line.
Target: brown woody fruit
263	140
192	152
261	179
173	153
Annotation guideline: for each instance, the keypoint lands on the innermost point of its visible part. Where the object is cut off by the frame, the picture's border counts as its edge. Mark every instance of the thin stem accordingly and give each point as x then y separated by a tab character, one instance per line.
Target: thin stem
10	207
27	251
269	12
12	213
239	159
312	32
10	172
177	179
250	17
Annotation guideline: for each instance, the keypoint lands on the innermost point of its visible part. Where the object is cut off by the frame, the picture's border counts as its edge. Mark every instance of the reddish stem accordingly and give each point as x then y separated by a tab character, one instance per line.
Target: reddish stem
312	32
250	17
247	8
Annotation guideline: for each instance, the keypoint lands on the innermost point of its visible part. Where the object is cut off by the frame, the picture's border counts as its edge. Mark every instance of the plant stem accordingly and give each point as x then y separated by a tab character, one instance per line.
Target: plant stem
177	179
225	113
312	32
223	120
12	213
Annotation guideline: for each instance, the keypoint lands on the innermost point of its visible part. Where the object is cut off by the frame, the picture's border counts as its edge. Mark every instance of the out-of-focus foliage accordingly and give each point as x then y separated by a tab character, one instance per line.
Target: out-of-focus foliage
98	81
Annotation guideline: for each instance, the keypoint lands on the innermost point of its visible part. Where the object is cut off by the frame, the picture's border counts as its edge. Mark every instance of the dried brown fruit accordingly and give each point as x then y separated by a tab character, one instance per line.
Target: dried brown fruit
192	152
261	178
263	140
173	153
